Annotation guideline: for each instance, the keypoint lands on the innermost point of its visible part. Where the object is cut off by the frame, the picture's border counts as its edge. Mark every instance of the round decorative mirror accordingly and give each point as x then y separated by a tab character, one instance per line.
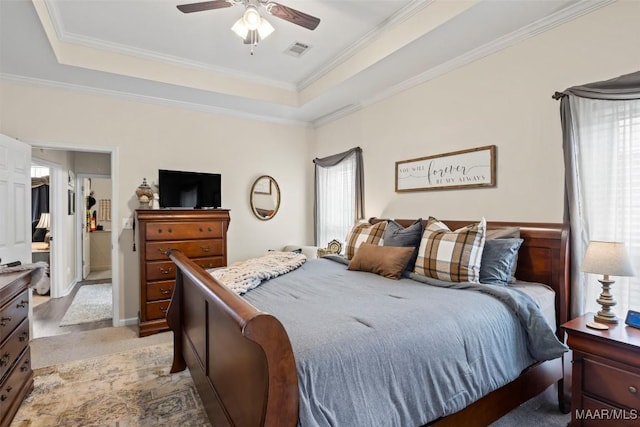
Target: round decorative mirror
265	198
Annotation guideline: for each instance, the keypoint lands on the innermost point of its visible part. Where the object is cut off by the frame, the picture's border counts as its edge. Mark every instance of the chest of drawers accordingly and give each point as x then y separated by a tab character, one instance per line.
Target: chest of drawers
199	234
605	383
16	376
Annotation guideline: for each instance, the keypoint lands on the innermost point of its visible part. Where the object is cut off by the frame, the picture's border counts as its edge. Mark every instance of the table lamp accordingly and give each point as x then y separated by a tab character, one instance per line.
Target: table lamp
608	259
45	222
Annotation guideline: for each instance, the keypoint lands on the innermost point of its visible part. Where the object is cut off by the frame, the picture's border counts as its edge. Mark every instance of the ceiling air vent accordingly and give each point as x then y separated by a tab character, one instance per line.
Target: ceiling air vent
297	49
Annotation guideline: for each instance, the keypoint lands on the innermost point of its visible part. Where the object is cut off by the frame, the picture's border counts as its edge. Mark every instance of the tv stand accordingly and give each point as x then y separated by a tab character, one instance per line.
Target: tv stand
200	234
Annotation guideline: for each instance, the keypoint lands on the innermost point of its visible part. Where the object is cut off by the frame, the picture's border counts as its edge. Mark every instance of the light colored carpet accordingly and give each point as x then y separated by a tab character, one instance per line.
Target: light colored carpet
48	351
132	388
91	304
69	349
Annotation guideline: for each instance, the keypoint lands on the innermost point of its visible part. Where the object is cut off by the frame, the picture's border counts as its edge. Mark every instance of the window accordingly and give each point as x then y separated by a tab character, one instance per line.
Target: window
607	136
338	195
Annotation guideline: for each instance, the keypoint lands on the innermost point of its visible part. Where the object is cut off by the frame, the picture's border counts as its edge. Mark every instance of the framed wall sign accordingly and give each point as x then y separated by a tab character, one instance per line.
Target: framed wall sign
475	167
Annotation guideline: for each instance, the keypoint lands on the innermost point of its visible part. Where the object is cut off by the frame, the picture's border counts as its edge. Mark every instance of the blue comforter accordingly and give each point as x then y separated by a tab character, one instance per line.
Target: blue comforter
371	351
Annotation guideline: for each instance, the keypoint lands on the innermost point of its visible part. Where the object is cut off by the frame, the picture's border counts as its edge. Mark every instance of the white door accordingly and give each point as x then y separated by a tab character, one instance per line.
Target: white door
15	201
86	243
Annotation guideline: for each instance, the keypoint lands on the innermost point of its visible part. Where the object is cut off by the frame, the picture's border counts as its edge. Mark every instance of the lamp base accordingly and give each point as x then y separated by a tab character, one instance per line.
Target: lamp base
602	317
606	301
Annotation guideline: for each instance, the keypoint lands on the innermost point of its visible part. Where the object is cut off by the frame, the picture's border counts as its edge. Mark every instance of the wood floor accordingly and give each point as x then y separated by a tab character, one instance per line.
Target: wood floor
47	315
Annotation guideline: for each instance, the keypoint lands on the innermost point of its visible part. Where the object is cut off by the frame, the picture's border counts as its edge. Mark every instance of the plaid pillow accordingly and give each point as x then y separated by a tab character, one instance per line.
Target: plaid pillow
363	232
453	256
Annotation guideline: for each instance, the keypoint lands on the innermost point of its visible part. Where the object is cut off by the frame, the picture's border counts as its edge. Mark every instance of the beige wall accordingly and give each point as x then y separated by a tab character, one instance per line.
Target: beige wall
503	99
151	137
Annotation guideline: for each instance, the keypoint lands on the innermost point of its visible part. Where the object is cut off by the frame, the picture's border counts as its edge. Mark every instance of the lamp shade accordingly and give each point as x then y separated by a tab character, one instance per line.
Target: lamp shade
45	221
609	258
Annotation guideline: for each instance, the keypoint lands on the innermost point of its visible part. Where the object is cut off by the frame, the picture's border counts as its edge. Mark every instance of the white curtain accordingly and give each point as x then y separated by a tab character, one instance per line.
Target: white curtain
336	200
606	159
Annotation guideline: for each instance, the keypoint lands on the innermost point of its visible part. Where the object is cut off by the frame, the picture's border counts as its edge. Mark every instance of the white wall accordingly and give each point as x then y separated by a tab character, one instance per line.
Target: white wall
152	137
64	238
503	99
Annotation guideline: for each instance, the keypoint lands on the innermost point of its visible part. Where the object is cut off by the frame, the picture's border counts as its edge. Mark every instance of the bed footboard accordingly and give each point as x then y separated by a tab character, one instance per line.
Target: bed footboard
240	359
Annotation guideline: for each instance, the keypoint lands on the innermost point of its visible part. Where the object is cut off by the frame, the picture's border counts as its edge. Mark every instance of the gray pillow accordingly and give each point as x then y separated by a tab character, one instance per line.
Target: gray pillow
498	258
506	233
396	235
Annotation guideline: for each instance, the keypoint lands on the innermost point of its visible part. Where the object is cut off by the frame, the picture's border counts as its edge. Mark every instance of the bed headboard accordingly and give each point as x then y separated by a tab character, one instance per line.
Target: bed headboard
543	256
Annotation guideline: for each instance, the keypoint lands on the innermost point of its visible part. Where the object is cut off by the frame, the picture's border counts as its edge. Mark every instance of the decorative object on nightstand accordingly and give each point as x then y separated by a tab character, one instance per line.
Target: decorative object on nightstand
608	259
333	248
144	194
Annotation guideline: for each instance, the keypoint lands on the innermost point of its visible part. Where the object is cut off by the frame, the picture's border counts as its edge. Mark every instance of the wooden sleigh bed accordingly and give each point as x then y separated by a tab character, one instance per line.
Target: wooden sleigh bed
243	365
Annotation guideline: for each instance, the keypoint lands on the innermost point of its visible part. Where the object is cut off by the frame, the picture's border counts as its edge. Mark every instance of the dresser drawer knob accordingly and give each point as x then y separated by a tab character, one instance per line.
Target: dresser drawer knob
633	390
4	360
23	336
167	271
163	309
165	291
3	398
209	228
201	229
22	304
205	248
4	321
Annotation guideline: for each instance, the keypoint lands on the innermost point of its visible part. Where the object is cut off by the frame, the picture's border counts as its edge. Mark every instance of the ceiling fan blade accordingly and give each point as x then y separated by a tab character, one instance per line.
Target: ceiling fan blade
294	16
205	5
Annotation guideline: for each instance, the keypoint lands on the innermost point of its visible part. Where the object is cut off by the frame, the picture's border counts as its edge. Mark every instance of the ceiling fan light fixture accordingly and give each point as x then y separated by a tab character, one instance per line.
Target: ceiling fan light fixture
240	29
251	18
265	29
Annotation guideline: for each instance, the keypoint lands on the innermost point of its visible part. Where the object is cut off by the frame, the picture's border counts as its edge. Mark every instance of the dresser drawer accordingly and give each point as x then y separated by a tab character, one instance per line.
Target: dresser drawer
13	347
192	249
183	230
12	388
164	270
210	262
160	290
615	385
13	313
598	414
157	309
160	270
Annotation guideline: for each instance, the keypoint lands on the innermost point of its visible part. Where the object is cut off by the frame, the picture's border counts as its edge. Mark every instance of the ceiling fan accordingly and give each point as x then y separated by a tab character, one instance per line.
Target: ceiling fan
252	27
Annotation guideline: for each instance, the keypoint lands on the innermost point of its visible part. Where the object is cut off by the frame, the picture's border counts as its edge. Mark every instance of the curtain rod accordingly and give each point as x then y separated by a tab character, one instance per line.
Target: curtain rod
558	95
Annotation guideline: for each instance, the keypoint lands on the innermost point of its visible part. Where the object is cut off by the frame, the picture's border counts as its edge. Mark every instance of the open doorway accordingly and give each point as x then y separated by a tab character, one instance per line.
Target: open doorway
96	227
84	299
40	220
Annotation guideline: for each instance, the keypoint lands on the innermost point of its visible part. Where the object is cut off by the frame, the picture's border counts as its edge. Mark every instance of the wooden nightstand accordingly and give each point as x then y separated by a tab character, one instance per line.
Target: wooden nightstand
605	375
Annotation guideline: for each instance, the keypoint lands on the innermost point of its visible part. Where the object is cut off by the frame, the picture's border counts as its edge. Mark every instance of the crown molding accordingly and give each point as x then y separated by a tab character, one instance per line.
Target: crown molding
66	36
540	26
203	108
336	114
394	20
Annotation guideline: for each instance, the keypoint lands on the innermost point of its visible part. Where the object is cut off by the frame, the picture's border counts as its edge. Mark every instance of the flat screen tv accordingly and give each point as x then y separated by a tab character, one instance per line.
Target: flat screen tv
195	190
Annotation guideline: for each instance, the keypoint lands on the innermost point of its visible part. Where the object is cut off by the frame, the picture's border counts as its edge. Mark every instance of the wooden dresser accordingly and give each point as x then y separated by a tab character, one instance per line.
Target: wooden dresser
606	374
16	376
200	234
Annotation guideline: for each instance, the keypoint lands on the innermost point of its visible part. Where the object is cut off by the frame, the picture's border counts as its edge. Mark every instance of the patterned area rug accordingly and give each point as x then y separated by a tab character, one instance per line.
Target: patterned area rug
91	304
129	389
